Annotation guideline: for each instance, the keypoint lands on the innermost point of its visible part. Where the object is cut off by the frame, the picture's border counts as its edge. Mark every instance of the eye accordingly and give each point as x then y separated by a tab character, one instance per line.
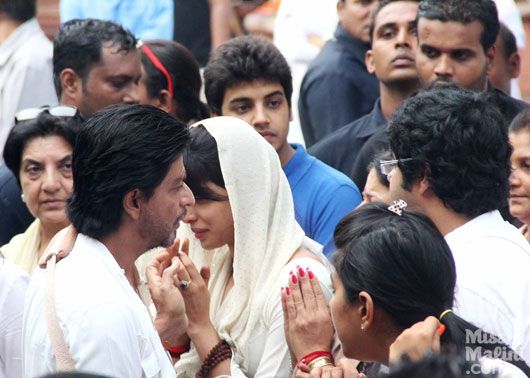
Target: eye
461	55
429	52
33	170
241	108
275	102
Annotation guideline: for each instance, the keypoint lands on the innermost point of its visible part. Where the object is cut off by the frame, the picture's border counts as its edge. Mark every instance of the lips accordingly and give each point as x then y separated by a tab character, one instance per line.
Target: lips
403	59
266	134
199	232
52	203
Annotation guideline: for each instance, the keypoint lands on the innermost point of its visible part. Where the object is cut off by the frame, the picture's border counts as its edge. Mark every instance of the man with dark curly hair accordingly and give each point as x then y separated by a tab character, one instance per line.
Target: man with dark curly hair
451	163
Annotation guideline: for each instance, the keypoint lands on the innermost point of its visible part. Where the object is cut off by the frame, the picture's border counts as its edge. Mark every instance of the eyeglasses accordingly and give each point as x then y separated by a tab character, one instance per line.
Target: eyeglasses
159	66
56	111
387	166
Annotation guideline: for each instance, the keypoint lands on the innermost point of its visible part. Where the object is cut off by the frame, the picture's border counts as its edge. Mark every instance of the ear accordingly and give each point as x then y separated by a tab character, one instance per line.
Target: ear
423	184
369	61
71	84
490	56
366	310
514	65
340	7
165	102
132	203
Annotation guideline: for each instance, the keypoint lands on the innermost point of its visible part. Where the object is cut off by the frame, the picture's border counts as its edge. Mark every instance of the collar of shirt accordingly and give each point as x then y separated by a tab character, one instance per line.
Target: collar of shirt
487	224
299	164
356	46
18	37
375	119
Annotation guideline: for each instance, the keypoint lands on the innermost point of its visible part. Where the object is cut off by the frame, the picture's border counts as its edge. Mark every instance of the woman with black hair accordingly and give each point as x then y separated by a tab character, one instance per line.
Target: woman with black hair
171	80
393	270
243	242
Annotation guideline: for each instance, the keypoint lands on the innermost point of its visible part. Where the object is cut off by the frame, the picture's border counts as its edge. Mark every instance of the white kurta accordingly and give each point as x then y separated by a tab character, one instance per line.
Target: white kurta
493	279
13	284
26	74
106	325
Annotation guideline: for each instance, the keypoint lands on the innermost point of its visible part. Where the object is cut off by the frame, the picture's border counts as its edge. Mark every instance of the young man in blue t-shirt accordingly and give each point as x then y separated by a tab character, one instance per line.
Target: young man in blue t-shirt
248	78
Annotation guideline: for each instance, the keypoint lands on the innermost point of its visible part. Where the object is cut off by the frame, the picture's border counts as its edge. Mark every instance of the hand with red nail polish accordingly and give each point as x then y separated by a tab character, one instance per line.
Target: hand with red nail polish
307	320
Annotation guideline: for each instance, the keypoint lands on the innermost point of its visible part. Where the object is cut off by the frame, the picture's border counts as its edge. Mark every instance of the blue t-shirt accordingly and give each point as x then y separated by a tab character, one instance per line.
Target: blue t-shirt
322	196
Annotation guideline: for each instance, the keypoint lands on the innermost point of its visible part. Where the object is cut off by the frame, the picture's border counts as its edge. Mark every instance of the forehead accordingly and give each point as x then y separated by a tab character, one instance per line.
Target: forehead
118	62
450	35
253	90
398	12
50	146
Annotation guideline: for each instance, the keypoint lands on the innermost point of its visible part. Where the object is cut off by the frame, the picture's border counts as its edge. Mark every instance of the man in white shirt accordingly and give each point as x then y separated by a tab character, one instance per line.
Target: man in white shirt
26	77
452	164
129	196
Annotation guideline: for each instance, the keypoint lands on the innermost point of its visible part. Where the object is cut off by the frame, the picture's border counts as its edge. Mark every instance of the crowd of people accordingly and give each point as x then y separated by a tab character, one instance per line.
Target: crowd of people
149	228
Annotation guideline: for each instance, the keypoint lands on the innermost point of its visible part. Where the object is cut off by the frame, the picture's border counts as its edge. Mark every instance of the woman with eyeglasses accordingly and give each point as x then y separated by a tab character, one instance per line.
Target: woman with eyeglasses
171	80
39	153
519	199
377	188
394	283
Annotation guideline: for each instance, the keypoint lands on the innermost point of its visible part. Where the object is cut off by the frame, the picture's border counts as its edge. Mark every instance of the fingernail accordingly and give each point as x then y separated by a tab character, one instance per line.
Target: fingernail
294	279
310	274
301	272
441	330
288	291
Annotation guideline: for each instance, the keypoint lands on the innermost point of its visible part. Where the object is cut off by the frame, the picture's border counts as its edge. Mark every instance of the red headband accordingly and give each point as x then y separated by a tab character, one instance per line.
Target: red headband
156	62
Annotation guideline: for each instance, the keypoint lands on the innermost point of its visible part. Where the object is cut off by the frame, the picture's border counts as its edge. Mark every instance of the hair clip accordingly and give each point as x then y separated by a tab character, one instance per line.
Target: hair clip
397	207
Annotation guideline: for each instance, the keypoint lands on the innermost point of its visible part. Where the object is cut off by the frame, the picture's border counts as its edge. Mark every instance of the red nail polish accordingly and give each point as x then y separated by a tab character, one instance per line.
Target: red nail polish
301	272
441	330
294	279
288	291
310	274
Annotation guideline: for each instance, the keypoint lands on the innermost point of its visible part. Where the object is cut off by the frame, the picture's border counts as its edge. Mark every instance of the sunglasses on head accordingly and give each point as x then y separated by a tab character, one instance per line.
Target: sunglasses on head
56	111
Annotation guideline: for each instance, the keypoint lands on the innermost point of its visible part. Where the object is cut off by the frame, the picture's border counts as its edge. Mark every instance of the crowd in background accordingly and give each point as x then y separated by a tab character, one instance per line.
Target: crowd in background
277	188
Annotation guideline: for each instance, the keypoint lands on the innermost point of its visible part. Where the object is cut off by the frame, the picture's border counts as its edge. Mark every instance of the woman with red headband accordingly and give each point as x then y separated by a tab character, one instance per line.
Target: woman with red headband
171	80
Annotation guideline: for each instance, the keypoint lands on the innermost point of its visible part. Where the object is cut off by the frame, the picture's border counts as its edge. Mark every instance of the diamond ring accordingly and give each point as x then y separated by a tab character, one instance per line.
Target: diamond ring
184	284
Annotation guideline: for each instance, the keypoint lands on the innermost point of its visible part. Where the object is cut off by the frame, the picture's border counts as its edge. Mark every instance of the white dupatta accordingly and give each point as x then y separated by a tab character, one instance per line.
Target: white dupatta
266	236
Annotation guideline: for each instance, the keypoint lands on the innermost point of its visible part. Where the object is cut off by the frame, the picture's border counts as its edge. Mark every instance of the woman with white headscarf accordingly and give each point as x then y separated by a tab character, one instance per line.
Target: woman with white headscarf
243	229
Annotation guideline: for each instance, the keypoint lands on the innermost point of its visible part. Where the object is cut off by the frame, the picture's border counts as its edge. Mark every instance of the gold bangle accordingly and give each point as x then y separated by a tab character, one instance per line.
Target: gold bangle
320	362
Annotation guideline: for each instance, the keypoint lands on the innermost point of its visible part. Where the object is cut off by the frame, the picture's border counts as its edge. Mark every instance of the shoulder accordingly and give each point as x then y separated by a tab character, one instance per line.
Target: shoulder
325	177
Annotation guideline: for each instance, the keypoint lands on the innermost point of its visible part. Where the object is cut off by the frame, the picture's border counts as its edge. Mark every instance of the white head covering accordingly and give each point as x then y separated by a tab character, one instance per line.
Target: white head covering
266	236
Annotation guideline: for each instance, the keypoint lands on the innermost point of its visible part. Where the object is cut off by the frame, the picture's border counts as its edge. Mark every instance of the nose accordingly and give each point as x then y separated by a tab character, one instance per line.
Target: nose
404	38
132	94
51	182
188	201
444	68
514	178
260	117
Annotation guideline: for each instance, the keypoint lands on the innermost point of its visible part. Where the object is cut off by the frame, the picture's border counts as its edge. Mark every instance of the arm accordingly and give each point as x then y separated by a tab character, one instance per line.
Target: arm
159	23
220	14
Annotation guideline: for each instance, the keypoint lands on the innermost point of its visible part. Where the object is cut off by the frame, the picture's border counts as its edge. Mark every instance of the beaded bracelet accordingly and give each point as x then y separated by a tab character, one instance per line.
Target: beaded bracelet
220	352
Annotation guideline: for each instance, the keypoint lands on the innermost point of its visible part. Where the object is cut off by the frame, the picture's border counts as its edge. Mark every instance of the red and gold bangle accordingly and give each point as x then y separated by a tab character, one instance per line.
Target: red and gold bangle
308	359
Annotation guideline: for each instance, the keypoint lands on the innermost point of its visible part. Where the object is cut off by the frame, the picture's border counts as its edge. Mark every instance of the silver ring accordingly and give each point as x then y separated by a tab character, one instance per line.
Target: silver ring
184	284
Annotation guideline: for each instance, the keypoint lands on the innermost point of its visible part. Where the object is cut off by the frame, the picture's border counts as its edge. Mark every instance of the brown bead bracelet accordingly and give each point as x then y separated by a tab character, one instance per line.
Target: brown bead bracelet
220	352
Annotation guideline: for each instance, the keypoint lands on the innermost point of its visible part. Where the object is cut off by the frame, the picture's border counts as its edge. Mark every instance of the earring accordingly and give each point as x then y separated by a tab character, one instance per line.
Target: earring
22	198
362	327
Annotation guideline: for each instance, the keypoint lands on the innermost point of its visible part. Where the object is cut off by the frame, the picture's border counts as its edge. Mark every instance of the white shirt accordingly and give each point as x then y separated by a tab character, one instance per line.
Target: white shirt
13	284
106	325
26	74
493	279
